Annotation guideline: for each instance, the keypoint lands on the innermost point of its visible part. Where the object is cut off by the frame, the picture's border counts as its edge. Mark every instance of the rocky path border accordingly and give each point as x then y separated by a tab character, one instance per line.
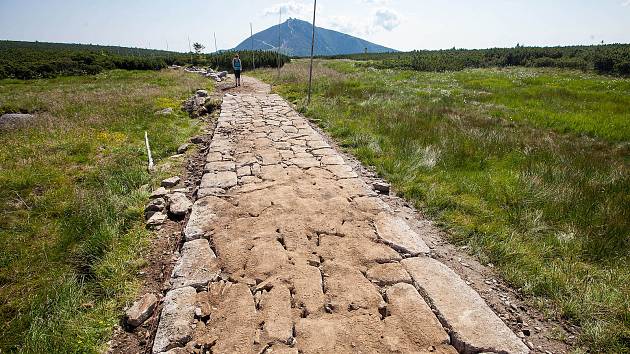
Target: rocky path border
166	214
288	250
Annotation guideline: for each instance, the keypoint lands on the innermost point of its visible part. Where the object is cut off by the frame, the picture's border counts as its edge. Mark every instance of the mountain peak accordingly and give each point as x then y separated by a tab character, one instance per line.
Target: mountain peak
295	40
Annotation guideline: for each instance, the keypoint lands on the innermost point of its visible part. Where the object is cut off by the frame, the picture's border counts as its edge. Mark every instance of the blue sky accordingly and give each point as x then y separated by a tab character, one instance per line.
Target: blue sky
400	24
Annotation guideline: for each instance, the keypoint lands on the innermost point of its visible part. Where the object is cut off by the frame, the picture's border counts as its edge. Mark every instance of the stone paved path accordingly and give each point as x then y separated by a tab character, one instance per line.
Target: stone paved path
288	251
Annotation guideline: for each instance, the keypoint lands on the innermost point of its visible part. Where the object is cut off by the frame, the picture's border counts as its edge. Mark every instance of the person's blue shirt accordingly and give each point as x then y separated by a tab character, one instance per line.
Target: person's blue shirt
236	64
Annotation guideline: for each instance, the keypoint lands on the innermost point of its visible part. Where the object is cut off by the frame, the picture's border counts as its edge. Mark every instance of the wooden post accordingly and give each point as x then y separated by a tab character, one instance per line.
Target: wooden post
190	50
310	70
216	51
146	141
279	44
251	36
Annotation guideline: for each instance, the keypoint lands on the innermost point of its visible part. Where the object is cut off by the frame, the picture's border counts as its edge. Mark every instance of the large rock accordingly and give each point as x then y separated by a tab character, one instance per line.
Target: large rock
474	327
14	120
395	232
203	215
213	76
195	105
171	182
178	204
141	310
174	329
197	265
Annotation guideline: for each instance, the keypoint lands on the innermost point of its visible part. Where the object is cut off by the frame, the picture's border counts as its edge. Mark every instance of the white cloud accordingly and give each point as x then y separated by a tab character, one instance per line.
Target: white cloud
625	3
381	19
289	9
387	19
376	2
346	25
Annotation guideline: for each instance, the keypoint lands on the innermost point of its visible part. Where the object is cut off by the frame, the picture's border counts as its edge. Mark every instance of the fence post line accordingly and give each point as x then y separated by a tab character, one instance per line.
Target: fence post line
216	50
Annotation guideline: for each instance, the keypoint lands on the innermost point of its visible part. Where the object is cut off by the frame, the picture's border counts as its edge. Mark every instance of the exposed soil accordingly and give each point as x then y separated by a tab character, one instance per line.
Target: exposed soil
249	85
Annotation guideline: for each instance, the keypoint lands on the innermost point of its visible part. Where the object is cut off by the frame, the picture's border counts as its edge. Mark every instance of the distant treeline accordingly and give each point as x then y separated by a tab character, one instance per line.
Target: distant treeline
612	59
34	60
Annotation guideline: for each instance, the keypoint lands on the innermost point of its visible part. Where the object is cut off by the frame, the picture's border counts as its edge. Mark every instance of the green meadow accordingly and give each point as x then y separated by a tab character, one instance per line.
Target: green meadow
74	184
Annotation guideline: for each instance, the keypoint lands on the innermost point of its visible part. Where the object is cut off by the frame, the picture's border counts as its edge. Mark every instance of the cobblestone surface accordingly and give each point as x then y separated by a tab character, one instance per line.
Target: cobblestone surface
309	257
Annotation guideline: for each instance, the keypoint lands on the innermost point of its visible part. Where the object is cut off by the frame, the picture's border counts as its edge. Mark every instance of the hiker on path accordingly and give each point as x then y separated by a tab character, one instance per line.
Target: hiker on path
236	65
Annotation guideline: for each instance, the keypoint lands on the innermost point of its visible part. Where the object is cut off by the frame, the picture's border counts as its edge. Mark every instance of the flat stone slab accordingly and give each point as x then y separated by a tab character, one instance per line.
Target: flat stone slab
395	232
342	171
214	157
411	313
233	320
305	162
202	216
197	265
174	329
473	326
220	166
224	179
244	171
317	144
157	219
276	308
332	160
388	274
245	159
323	152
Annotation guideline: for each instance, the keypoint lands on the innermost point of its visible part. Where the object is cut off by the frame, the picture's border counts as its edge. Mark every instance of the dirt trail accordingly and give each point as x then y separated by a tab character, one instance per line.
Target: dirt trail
288	250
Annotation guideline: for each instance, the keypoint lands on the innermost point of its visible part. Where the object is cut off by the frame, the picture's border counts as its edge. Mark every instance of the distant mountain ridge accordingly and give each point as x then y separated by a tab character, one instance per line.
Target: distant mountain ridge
295	37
